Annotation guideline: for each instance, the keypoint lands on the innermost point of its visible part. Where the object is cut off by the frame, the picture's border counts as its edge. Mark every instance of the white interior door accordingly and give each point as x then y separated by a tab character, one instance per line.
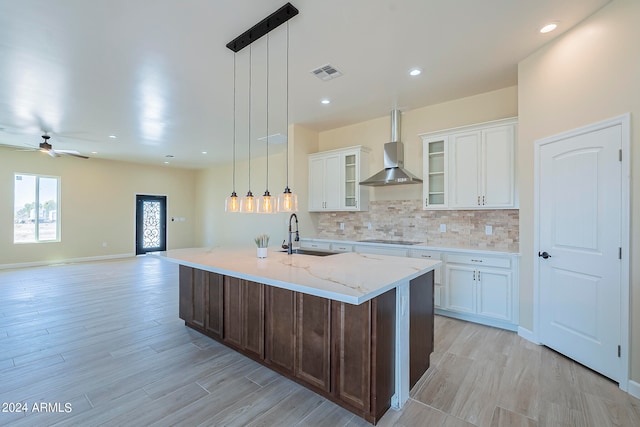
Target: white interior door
579	280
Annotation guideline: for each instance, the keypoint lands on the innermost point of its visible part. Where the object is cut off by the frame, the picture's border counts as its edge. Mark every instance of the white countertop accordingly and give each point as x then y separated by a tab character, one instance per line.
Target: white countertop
348	277
417	246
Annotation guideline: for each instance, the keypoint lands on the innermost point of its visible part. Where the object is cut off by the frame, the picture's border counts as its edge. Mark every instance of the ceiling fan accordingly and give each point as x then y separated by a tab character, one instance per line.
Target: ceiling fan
45	147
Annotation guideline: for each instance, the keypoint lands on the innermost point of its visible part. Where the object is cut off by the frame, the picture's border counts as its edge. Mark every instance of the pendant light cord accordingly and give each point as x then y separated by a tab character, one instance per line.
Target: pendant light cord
267	85
287	106
250	65
234	122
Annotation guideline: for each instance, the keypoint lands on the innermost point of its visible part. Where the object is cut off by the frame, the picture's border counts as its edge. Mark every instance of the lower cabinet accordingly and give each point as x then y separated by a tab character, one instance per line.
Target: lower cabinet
313	333
244	316
481	286
342	351
200	304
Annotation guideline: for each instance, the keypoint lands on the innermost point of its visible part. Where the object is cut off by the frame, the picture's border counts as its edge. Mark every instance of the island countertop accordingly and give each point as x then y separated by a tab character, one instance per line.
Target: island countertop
347	277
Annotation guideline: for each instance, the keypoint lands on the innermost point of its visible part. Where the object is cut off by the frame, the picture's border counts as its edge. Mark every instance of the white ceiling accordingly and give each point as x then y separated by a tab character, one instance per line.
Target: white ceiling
157	74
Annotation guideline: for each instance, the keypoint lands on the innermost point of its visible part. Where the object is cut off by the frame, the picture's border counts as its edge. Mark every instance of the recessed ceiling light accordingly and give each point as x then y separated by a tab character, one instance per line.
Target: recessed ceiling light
549	27
94	152
204	152
325	101
166	163
112	136
415	72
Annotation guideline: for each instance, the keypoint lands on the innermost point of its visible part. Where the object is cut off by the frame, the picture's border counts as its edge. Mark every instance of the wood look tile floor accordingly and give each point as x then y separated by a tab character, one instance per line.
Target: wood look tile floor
104	339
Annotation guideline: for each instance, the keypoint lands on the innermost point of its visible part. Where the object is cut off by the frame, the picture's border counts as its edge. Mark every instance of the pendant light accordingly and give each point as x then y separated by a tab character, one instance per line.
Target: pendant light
232	203
265	202
287	201
247	203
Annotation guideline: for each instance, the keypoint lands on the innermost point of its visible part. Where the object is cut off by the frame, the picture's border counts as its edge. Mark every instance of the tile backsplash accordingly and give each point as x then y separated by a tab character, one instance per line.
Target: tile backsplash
406	220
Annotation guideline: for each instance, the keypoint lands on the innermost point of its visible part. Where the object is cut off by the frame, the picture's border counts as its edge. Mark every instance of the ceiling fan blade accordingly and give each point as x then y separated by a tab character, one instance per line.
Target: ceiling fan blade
51	152
71	153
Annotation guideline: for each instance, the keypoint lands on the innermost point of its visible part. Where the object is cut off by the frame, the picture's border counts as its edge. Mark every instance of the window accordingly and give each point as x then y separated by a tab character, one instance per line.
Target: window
36	214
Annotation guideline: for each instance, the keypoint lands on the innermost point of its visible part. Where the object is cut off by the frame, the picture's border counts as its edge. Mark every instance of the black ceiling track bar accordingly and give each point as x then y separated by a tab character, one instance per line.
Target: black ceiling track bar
269	23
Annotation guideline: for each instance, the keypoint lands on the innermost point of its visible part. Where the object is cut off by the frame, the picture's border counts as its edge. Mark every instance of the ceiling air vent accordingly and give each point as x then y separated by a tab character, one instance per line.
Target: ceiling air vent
326	72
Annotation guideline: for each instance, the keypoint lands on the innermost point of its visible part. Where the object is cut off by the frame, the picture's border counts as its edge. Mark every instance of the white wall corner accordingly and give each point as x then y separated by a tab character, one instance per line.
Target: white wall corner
528	335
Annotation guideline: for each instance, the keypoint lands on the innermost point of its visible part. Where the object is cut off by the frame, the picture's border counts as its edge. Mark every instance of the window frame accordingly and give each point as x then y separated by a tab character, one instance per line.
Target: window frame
37	203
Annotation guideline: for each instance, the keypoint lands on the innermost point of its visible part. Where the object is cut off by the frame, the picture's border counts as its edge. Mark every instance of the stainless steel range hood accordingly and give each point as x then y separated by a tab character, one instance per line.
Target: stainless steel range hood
393	172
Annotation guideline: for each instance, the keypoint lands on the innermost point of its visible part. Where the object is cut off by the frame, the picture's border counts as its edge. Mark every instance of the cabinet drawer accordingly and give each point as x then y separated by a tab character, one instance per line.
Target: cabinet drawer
339	247
419	253
480	260
316	245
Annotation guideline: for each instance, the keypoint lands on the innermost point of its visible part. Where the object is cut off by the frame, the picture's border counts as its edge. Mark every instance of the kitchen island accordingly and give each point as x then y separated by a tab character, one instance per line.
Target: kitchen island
355	328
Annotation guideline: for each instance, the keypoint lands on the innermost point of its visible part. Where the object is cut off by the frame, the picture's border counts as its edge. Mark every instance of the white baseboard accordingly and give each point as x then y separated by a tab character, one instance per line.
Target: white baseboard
634	389
63	261
528	335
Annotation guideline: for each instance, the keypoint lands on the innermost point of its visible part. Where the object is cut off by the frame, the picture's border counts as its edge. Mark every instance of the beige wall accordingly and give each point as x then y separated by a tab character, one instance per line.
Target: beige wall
375	133
590	74
97	204
219	228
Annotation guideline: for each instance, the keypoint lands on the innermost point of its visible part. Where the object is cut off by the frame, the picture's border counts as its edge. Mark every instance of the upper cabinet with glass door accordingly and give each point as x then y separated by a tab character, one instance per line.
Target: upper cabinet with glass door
435	179
471	167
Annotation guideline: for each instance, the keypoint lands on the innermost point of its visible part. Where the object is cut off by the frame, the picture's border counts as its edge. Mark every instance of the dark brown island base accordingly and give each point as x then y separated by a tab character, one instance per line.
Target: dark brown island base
344	352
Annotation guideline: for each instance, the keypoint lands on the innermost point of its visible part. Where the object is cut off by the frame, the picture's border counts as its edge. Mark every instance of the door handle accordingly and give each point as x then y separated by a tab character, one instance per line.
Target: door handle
544	255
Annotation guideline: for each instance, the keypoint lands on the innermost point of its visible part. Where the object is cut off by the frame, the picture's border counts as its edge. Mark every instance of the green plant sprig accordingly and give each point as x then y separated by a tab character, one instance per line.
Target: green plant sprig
262	241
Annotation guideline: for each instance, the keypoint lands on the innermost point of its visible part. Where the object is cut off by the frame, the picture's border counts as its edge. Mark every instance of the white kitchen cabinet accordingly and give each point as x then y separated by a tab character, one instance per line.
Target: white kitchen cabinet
334	180
482	168
481	286
472	167
435	178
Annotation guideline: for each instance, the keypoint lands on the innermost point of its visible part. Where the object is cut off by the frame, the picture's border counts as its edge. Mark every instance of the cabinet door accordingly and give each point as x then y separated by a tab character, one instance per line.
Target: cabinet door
333	178
232	312
313	360
193	293
350	183
461	290
185	305
352	358
494	293
244	316
498	167
214	299
253	318
280	328
316	184
464	170
434	189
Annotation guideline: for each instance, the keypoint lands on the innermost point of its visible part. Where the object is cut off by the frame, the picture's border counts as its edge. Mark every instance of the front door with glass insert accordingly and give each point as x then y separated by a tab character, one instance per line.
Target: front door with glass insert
151	224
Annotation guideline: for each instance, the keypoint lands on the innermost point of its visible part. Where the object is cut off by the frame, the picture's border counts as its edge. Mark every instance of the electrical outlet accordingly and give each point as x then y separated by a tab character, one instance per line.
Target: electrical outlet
104	244
443	228
488	230
369	227
342	226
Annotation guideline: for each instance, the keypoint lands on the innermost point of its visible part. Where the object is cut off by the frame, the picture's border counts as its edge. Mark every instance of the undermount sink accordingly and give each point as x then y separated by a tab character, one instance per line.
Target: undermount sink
310	252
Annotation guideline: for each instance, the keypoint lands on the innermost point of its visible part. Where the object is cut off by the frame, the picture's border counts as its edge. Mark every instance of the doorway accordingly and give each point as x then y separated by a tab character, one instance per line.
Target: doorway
581	229
151	224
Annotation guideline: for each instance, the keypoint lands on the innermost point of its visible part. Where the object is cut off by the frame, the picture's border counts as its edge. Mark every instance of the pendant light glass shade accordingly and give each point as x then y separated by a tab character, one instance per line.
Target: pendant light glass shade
232	203
287	201
265	204
248	203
